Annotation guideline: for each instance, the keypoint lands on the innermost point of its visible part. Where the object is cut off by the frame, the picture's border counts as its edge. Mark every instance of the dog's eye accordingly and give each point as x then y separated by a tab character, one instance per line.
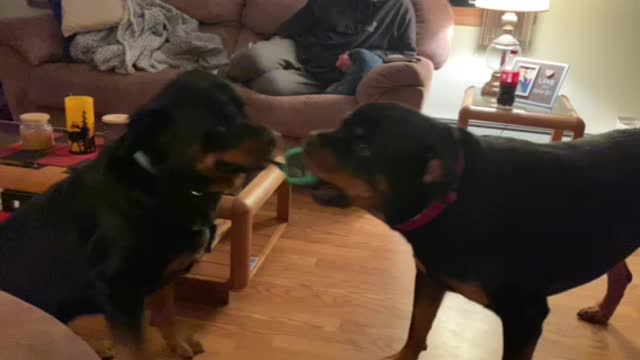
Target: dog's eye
358	131
362	149
221	129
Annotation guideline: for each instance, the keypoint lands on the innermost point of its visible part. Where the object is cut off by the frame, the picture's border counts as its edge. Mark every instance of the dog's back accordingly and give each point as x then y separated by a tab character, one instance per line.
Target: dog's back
560	207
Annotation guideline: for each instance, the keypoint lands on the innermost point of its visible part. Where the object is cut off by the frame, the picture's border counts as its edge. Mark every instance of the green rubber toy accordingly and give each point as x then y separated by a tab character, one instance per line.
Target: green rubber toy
295	170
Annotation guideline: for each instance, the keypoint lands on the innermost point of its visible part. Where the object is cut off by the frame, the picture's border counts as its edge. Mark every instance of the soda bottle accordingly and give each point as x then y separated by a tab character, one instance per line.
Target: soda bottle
509	77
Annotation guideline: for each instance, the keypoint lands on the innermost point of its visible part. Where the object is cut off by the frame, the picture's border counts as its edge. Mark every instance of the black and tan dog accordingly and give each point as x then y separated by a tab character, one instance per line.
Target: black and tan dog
125	225
504	222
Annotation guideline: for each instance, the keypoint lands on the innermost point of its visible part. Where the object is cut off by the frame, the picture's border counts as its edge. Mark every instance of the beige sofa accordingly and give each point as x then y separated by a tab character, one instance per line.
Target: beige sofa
27	333
35	79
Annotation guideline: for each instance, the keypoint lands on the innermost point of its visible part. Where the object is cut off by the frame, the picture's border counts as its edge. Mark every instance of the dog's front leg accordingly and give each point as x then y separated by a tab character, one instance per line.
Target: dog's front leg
426	301
522	317
162	308
124	315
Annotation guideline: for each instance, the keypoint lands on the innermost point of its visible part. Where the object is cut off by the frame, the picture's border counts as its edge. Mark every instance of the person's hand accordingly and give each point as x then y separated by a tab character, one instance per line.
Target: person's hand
344	62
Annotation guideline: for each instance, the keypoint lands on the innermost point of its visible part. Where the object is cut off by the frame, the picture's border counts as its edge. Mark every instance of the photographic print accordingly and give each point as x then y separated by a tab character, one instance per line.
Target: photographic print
528	75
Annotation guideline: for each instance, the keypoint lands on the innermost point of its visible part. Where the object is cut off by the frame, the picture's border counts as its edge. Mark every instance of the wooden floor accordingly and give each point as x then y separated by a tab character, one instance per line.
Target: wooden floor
338	285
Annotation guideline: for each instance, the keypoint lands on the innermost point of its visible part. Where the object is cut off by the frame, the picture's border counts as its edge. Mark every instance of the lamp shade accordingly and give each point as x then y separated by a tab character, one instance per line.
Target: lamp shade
514	5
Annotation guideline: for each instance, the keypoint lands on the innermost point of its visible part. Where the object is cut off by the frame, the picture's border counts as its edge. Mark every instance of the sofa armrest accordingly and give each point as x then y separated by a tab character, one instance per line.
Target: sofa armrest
38	39
402	82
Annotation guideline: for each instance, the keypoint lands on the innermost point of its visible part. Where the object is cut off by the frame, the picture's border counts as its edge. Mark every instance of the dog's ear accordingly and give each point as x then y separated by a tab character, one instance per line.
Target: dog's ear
433	172
441	167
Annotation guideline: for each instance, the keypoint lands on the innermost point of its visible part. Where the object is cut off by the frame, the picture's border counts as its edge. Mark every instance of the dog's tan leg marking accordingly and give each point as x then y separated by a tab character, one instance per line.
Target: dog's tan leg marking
426	302
103	348
126	348
618	278
162	308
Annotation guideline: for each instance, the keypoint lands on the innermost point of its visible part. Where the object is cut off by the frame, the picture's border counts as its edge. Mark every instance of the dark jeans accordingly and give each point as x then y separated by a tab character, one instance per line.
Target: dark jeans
363	62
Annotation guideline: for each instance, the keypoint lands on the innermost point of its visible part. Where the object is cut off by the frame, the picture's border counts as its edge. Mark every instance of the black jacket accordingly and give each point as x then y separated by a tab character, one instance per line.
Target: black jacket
325	29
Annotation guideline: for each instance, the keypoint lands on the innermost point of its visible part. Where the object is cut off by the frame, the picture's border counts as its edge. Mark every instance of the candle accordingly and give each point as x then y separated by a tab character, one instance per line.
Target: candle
81	124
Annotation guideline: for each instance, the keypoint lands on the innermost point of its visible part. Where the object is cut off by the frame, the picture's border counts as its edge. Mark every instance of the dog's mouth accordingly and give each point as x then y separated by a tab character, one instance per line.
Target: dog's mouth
226	170
229	177
322	163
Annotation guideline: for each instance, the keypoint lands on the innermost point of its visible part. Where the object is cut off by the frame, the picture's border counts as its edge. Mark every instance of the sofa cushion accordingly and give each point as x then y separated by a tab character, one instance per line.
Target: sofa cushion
210	11
113	93
278	11
90	15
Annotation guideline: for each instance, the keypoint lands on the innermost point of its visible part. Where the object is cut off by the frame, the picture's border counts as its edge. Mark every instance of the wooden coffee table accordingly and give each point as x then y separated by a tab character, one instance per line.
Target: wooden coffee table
255	228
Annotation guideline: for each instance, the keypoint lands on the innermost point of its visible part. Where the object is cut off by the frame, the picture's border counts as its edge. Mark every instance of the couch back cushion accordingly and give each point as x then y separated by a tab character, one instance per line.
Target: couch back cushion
210	11
264	16
434	20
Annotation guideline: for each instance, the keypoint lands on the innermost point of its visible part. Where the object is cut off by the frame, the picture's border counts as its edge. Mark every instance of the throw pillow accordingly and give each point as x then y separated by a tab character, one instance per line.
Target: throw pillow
37	38
90	15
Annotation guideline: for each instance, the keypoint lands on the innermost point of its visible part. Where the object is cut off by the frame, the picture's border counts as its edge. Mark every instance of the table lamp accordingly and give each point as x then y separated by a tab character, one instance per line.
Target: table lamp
500	47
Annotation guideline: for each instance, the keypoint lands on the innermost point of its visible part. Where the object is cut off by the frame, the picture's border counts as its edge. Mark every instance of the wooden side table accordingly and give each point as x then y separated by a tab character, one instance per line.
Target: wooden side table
562	117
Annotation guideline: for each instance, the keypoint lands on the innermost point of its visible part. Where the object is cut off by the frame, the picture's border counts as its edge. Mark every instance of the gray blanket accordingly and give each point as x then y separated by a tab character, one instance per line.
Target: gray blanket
151	37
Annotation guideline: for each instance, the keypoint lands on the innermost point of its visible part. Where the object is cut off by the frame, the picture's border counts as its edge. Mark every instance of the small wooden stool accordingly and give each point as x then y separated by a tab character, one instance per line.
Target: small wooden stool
562	117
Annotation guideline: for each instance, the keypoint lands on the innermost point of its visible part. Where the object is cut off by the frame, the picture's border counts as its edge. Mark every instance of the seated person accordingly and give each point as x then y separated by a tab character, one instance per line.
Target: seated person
328	46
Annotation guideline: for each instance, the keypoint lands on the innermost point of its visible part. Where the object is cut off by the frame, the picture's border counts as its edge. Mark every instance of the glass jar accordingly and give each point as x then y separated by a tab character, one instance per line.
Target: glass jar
115	125
36	134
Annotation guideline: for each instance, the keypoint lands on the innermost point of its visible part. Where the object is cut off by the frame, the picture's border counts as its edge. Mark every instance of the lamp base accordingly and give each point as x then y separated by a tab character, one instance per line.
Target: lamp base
492	87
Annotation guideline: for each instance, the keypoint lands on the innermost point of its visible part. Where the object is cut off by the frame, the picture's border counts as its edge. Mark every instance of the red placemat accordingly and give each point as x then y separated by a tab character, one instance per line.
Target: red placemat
58	155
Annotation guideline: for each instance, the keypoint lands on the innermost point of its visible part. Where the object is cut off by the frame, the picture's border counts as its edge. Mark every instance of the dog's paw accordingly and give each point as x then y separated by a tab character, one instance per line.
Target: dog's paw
104	349
183	350
195	344
595	315
406	354
188	348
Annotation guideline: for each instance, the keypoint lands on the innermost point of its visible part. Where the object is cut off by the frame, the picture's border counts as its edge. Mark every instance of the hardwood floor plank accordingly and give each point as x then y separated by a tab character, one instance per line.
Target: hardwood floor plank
338	285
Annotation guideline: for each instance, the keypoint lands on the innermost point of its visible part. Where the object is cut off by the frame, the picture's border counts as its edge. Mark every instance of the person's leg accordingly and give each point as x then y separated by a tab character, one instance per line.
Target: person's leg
363	62
258	59
285	83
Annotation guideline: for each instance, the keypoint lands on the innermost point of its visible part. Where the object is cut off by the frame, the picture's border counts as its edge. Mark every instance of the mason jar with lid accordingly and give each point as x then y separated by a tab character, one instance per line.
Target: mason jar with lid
36	134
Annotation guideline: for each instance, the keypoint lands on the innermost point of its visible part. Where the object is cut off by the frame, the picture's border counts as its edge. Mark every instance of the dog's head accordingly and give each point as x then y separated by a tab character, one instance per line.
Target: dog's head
195	133
387	159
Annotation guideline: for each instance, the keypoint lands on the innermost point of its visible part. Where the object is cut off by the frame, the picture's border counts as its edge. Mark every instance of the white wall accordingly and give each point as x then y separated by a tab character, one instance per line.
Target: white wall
599	39
17	8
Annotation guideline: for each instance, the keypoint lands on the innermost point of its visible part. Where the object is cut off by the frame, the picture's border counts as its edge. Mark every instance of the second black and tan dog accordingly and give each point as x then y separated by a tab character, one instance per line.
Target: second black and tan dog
126	225
506	223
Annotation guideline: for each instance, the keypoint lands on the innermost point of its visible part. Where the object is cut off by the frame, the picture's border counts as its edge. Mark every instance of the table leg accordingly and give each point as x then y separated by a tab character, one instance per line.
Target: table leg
463	118
284	202
240	233
557	135
578	132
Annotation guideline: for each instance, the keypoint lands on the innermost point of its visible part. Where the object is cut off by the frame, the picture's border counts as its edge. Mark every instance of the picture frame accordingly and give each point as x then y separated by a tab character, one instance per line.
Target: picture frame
545	79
